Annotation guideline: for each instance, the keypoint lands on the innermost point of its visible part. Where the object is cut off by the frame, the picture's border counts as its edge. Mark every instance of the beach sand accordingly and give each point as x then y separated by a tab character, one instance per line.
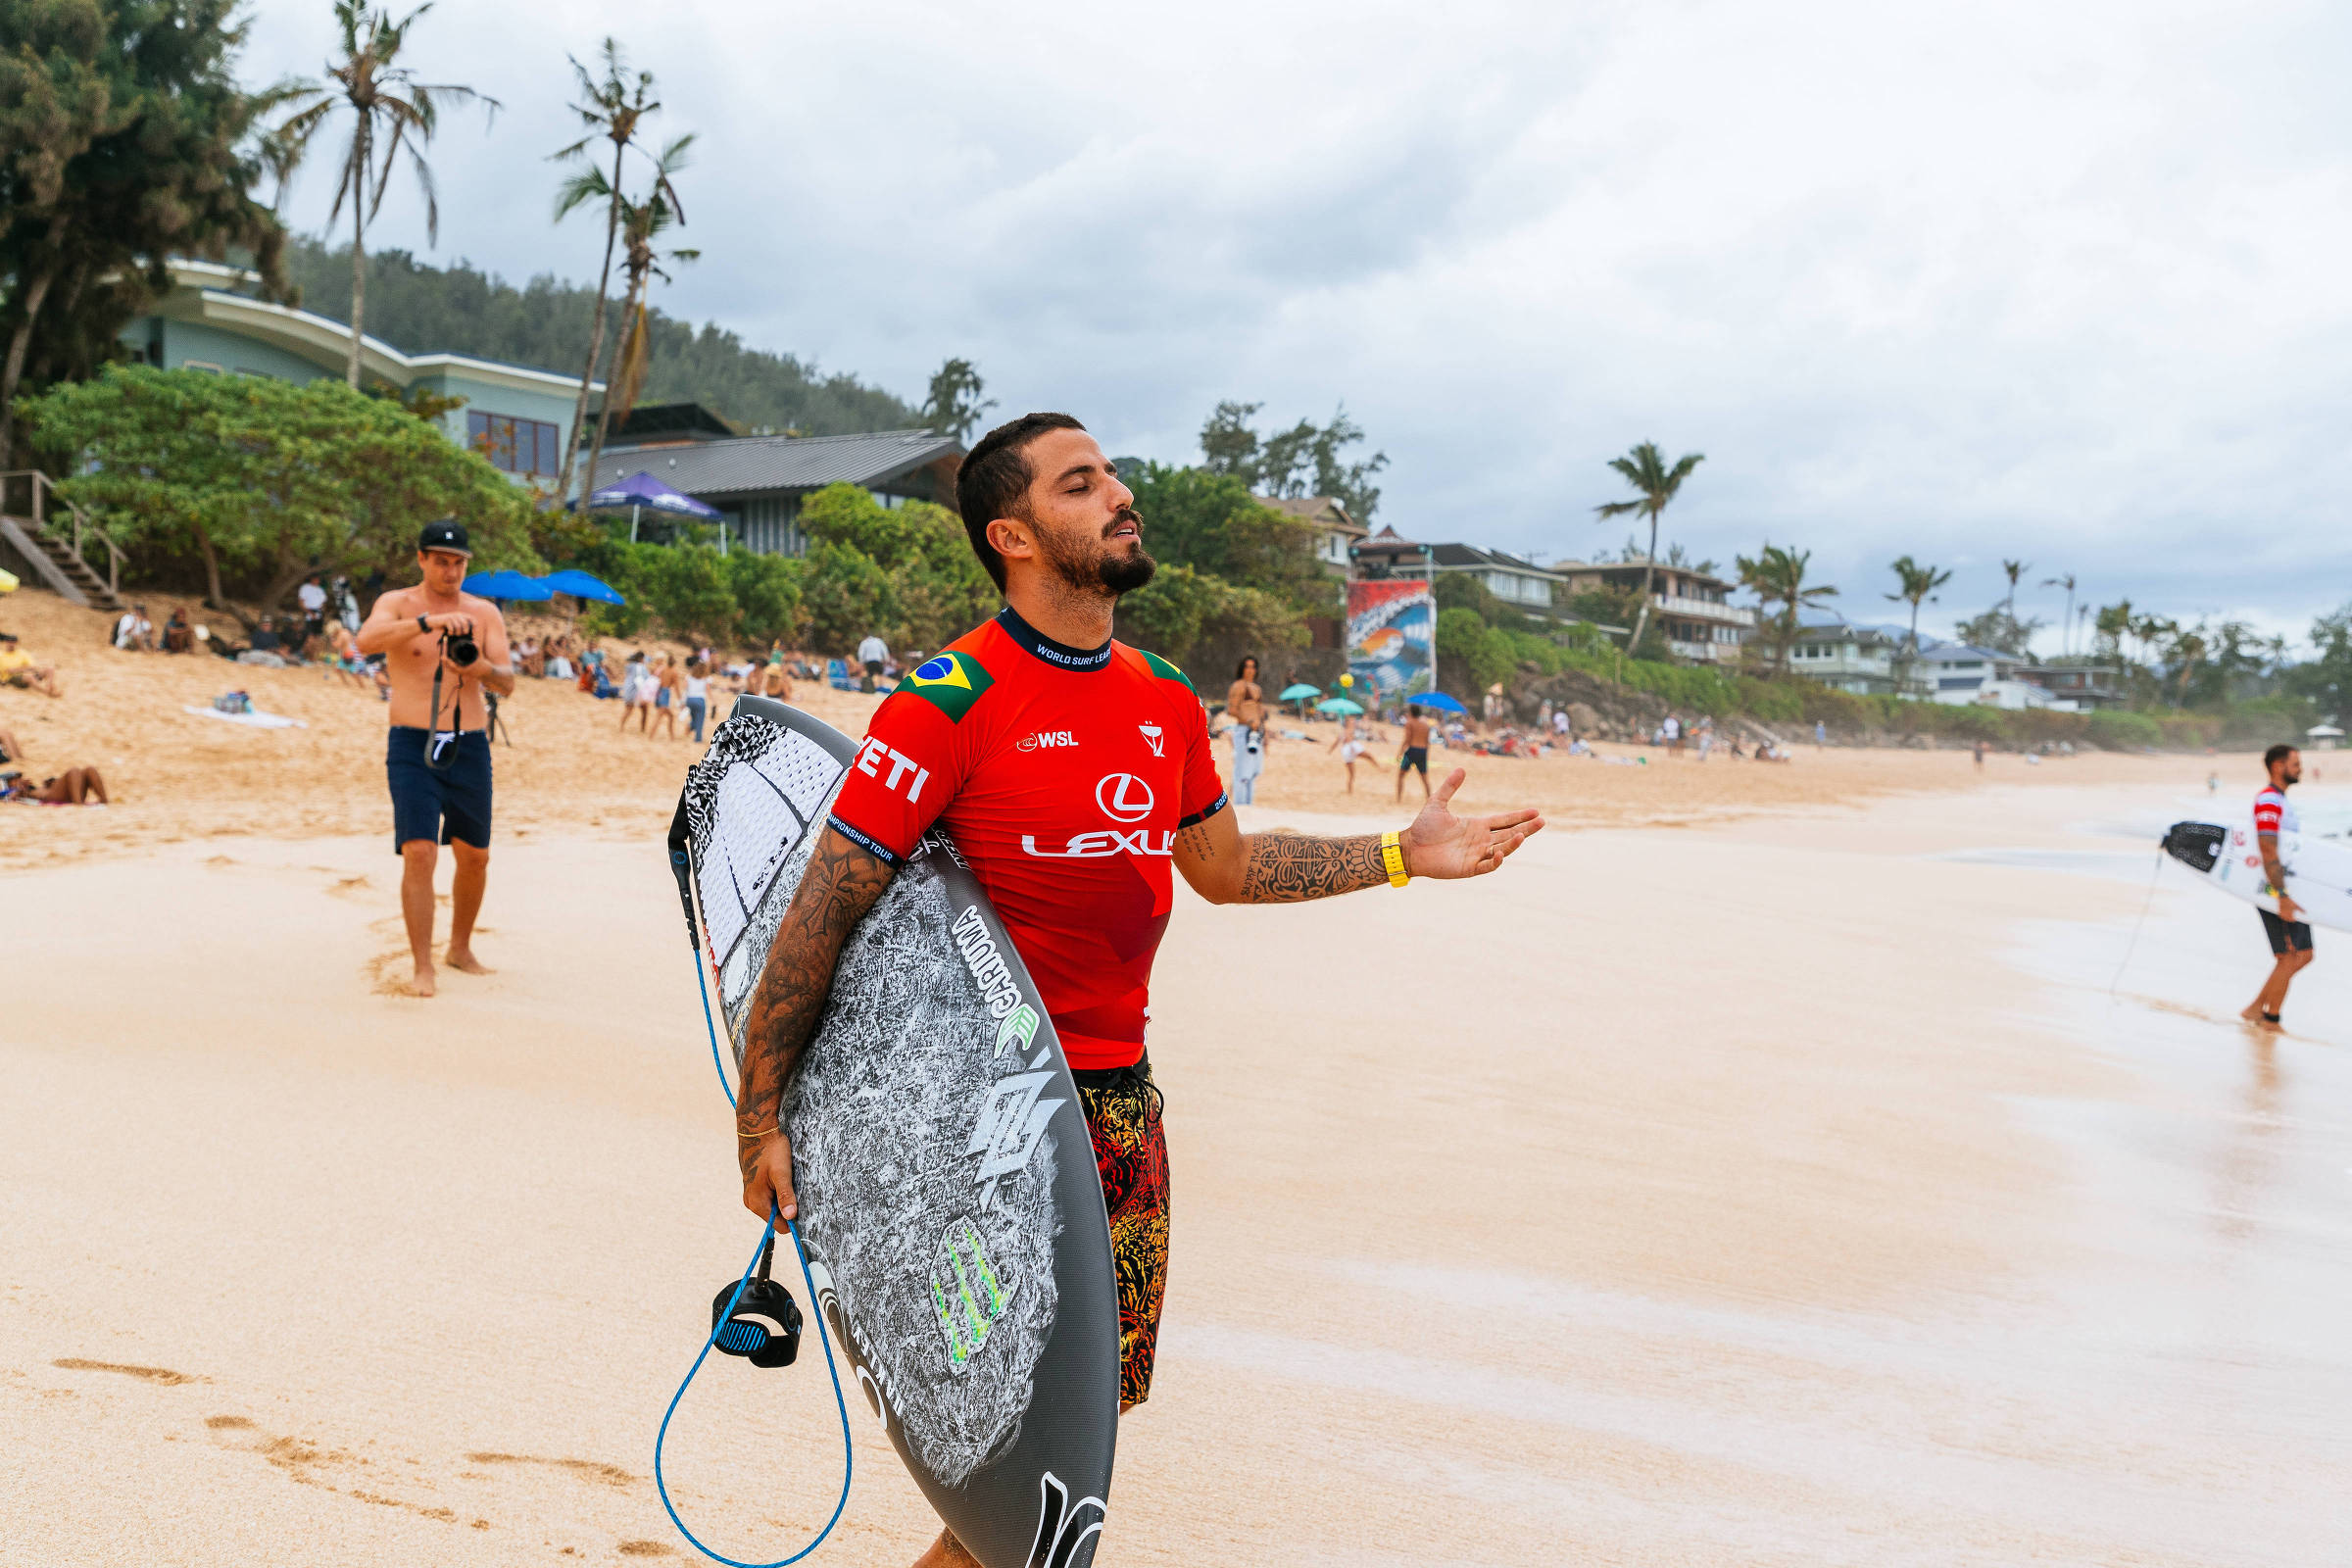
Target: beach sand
1783	1187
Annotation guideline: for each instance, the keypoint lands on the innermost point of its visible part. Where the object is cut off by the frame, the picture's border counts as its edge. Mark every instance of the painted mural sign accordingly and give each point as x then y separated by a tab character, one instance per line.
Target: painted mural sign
1391	638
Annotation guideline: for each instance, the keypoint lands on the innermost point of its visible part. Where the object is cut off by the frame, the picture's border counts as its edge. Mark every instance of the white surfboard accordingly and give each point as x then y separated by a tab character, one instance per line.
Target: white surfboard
2318	870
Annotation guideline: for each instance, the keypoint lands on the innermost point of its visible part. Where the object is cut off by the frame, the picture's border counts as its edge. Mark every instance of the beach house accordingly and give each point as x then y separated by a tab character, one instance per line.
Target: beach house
1335	532
1693	608
1848	656
212	320
758	482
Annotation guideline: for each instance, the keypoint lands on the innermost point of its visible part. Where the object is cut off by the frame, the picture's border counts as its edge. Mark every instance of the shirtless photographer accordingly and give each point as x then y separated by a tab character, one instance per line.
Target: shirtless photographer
444	648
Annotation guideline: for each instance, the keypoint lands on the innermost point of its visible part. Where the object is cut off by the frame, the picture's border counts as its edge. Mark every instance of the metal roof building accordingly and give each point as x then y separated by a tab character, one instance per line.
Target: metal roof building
759	481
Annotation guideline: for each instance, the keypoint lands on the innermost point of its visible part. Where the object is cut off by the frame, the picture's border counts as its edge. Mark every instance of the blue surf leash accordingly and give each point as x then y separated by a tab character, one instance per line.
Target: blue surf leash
747	1339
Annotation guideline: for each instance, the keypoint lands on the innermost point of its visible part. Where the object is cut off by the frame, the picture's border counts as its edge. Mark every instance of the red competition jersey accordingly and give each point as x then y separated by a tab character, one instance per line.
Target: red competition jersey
1063	775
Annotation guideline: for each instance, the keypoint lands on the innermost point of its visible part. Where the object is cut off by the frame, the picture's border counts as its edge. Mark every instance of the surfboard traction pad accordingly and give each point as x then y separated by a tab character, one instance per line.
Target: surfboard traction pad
948	1197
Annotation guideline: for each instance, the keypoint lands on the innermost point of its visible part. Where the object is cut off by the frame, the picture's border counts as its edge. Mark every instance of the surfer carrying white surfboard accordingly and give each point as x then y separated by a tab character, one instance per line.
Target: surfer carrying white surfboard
2289	933
1075	776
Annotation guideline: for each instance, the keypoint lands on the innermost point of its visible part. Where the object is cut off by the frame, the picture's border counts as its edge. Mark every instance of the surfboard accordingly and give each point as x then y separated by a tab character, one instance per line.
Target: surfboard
2318	870
950	1204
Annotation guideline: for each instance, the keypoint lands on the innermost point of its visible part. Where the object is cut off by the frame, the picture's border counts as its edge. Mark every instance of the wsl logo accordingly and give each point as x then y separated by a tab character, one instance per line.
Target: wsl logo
970	1295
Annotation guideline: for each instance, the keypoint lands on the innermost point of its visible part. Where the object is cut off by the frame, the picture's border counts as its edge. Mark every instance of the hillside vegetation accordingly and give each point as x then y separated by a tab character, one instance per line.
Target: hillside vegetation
421	308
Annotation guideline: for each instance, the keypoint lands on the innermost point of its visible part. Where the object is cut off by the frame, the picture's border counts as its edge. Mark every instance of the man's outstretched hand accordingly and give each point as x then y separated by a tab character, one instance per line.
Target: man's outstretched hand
1443	845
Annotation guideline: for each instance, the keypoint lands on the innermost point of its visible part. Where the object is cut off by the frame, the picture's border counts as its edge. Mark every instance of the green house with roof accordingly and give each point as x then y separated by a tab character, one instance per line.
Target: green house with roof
212	320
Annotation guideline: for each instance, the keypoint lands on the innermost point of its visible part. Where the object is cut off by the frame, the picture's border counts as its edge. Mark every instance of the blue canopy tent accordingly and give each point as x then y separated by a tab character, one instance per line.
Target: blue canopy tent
509	585
641	492
578	583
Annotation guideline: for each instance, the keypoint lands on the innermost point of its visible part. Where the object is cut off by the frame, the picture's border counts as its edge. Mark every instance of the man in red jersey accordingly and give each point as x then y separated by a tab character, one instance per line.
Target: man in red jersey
1075	775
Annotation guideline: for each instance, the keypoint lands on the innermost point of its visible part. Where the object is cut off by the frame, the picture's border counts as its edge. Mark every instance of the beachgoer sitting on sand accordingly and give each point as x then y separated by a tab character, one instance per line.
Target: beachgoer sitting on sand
12	750
16	668
135	633
75	786
178	635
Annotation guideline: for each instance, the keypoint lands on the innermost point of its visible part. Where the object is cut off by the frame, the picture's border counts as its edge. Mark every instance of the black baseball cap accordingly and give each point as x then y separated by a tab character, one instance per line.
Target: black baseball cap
447	534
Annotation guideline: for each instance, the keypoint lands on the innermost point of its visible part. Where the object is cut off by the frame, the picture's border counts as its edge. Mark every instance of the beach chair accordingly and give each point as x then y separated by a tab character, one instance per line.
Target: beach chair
837	675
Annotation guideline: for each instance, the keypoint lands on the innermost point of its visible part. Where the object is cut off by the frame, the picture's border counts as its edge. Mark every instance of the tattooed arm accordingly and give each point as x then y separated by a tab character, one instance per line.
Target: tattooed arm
840	886
1224	865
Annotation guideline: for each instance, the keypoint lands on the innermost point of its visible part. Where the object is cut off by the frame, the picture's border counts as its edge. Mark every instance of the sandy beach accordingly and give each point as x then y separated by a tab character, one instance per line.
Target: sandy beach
1758	1171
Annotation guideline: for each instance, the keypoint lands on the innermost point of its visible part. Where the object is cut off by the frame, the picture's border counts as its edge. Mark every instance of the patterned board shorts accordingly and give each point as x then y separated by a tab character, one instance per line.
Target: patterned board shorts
1122	1107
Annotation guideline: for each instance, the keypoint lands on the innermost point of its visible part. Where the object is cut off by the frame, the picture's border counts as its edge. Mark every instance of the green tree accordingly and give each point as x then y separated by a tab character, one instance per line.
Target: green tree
845	596
125	140
1777	577
767	595
610	107
268	479
1916	585
391	112
2000	631
955	406
2326	678
1305	460
1213	523
938	589
1655	486
641	223
1198	622
2014	569
2066	623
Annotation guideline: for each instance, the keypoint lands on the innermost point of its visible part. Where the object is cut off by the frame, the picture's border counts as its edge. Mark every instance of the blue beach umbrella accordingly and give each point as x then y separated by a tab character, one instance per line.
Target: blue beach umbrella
1338	704
1437	701
578	583
641	492
511	585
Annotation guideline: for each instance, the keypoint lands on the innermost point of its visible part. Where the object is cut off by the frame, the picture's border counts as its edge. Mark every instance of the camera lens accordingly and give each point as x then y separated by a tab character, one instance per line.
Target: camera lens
462	648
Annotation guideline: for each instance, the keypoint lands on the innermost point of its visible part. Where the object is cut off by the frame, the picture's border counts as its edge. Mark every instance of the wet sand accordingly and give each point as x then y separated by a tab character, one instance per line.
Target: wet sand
1782	1189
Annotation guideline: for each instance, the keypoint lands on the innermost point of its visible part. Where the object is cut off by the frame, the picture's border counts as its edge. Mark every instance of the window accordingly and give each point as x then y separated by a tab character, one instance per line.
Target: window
202	364
515	446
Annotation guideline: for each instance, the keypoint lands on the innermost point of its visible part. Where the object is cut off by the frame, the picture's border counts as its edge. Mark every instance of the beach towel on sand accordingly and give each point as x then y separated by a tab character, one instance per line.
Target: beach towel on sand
255	720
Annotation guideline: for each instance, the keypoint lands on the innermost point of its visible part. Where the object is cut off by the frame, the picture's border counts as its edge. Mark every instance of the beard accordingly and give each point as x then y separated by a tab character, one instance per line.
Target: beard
1096	572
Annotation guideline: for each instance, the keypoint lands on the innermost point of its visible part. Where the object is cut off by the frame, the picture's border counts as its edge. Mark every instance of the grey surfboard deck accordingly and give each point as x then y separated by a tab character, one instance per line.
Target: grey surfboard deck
948	1199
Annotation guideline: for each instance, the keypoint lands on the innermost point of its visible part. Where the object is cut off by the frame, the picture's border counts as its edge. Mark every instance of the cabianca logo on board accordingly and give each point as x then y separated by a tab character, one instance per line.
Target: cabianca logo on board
1123	798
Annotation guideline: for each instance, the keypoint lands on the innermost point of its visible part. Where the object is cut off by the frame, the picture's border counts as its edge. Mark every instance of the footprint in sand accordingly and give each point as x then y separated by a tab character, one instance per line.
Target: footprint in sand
145	1374
610	1475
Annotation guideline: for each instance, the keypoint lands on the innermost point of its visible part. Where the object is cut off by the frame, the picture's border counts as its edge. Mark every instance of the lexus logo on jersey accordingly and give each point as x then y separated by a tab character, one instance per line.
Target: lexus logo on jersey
1123	797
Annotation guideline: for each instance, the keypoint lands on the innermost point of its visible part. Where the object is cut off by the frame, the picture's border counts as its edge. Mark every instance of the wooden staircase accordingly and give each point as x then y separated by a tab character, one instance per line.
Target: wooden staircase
53	545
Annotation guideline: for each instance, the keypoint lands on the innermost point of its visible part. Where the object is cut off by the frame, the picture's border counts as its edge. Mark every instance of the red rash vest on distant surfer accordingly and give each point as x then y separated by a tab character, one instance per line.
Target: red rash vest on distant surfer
1063	774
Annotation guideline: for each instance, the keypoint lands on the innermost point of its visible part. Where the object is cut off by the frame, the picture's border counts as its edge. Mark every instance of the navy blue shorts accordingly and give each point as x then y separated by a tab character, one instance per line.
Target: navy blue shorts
444	803
2286	936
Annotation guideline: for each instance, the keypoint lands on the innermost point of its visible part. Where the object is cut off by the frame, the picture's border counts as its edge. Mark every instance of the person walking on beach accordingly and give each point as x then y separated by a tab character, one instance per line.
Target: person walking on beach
445	648
698	697
668	698
1077	843
872	655
1671	733
637	693
1245	705
1414	752
1350	747
2289	931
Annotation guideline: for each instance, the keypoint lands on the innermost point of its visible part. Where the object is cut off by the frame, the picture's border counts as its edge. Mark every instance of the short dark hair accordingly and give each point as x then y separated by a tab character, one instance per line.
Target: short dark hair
2278	754
993	481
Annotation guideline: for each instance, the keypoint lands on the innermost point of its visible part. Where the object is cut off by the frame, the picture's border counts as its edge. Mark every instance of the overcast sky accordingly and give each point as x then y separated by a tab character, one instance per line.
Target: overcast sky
1965	281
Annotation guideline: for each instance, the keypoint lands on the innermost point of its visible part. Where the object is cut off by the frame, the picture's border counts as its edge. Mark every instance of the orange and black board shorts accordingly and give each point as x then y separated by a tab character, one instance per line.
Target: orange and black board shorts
1122	1107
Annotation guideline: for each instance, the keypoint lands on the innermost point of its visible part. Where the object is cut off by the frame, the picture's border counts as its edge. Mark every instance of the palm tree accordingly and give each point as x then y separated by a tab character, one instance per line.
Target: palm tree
390	110
640	224
1919	585
2015	569
1655	485
610	107
1778	577
2066	627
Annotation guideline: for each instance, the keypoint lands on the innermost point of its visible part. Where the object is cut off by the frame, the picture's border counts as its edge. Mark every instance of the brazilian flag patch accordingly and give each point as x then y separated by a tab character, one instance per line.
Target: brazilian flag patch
950	682
1166	671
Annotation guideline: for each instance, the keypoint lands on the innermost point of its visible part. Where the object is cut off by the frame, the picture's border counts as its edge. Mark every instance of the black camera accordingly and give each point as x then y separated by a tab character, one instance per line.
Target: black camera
459	648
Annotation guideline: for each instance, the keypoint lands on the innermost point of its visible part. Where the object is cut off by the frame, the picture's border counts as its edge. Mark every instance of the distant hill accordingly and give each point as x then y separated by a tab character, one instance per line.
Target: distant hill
421	308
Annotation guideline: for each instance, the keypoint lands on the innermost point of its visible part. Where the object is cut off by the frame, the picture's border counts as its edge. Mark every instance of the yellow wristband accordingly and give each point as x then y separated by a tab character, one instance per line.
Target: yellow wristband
1392	856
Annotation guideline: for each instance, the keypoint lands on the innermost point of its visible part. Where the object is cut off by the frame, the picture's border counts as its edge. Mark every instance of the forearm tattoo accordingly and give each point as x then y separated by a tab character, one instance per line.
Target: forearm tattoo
840	886
1287	867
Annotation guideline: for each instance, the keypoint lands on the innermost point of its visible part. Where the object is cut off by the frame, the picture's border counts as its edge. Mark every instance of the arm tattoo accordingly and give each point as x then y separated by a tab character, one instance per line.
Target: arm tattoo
1286	867
840	886
1196	841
